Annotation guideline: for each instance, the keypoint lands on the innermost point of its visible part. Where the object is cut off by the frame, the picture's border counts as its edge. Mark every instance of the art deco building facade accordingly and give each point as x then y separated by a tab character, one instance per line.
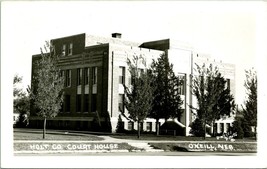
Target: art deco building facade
95	70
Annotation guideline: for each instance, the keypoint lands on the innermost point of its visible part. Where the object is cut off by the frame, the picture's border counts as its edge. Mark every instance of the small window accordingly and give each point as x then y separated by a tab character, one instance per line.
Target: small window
63	52
121	103
94	102
70	49
78	103
228	83
67	103
68	78
79	77
130	125
122	75
149	126
94	72
86	102
86	76
181	84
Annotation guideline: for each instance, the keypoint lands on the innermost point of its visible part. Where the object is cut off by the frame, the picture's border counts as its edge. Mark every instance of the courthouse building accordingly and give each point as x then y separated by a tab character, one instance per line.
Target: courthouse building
95	70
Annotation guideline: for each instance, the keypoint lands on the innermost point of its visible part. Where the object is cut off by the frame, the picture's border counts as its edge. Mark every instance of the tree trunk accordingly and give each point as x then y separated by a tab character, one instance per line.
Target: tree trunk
157	127
44	128
138	129
256	133
213	128
204	130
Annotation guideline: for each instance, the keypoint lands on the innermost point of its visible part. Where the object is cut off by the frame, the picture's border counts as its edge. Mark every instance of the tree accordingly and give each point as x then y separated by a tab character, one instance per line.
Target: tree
213	97
166	103
250	107
17	92
138	96
48	94
21	102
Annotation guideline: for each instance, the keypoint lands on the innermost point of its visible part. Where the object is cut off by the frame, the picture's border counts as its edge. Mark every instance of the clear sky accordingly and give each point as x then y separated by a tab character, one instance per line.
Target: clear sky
225	30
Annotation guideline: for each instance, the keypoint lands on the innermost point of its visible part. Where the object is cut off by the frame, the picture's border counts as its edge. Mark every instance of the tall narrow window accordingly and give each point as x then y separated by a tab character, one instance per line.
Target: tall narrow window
63	52
86	102
130	125
86	76
70	49
149	126
120	103
67	103
228	83
122	75
78	103
140	71
181	84
94	72
94	102
79	77
62	74
68	78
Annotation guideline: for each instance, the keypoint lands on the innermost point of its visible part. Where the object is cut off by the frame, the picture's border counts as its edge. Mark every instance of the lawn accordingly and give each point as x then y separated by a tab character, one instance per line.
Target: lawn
19	135
175	138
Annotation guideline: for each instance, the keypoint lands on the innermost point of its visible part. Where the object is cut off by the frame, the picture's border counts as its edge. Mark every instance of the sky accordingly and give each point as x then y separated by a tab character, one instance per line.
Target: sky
226	31
231	31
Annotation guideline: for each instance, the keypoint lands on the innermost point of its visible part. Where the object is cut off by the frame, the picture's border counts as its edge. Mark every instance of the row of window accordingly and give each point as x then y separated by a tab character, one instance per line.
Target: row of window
81	74
148	126
67	103
67	49
79	98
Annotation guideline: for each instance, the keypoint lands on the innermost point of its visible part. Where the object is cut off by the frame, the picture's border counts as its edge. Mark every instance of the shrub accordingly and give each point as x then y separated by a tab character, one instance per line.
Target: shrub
197	128
237	128
120	126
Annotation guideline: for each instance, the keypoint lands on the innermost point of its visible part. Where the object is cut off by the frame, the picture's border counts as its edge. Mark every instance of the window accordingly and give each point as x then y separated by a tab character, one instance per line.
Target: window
130	125
61	73
79	77
228	83
86	102
120	103
94	102
63	52
78	103
228	127
86	76
67	103
68	78
222	127
181	84
70	49
140	71
122	75
149	126
94	72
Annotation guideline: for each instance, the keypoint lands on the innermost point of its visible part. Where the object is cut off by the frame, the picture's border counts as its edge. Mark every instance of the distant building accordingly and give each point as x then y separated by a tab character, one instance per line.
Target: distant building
95	69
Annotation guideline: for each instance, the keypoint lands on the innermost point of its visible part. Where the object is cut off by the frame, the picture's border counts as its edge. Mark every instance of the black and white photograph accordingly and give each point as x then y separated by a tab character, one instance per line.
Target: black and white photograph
133	84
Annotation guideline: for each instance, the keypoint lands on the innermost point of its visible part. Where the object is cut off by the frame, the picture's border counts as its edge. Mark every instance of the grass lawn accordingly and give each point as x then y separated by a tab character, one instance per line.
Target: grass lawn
175	138
54	136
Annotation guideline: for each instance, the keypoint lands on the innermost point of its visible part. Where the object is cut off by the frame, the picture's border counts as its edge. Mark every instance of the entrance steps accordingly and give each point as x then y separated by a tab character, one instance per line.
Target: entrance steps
144	147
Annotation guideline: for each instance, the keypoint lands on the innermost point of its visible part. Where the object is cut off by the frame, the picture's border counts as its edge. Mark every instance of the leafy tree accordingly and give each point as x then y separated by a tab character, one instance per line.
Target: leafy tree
21	102
17	92
138	96
213	98
48	94
250	107
166	103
